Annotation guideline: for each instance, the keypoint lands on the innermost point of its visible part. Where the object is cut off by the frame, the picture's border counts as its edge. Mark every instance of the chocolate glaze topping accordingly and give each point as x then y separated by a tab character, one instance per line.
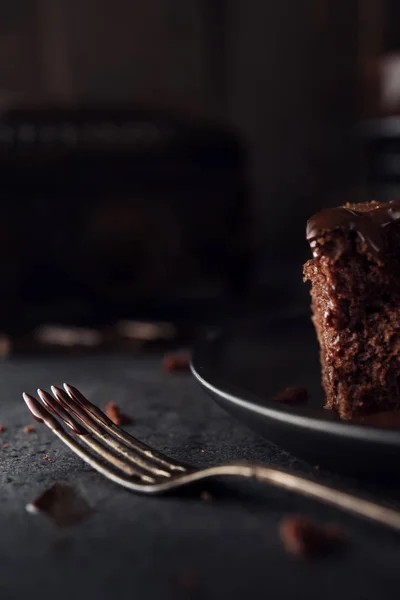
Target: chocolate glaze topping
367	220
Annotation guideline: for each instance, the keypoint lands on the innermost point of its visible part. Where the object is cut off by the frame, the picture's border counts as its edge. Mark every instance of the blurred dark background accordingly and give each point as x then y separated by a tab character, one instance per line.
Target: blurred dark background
159	159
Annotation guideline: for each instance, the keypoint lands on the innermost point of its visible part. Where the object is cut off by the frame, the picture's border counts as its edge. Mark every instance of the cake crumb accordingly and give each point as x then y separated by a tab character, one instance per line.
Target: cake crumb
117	417
304	538
47	457
176	362
2	428
62	504
292	395
206	496
203	451
4	446
29	428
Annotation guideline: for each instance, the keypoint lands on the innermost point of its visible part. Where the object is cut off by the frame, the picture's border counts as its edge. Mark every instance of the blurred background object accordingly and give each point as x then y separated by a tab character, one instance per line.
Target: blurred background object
159	160
381	126
114	211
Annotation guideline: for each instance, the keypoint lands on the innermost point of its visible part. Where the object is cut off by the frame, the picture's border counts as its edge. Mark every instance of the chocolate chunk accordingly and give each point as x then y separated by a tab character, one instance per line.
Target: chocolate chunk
29	429
113	412
302	537
2	428
62	504
292	395
175	362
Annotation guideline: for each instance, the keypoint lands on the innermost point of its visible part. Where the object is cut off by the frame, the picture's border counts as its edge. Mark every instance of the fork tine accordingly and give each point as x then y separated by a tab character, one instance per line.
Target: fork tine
85	436
42	415
60	412
128	439
65	403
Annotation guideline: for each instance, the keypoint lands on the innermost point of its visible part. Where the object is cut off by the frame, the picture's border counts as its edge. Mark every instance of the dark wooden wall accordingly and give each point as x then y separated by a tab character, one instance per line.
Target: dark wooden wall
284	74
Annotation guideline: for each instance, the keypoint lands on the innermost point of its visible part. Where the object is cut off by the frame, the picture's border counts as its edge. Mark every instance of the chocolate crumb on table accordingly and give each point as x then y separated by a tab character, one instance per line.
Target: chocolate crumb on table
29	428
117	417
4	446
2	428
292	395
62	504
47	457
304	538
177	362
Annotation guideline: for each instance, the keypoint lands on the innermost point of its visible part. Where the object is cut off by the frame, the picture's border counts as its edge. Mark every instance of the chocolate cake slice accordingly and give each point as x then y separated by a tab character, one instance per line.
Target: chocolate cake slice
355	291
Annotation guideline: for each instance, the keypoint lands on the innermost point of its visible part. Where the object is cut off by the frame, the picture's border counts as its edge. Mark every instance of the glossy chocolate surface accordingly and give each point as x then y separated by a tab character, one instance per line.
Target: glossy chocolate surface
369	221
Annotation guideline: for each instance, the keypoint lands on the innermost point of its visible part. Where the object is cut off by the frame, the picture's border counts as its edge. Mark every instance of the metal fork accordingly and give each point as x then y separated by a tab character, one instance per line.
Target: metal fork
134	465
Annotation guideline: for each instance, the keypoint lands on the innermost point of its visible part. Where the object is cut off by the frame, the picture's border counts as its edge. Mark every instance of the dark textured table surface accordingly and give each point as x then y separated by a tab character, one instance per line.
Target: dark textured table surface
179	546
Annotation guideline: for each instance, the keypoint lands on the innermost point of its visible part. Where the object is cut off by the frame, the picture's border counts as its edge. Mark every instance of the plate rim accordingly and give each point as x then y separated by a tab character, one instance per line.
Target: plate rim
282	413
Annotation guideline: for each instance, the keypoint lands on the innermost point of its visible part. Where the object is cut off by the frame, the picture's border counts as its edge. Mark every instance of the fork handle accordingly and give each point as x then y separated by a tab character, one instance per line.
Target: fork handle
306	487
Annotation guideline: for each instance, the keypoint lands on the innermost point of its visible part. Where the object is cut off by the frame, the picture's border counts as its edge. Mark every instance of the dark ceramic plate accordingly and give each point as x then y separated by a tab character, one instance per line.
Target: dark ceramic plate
244	367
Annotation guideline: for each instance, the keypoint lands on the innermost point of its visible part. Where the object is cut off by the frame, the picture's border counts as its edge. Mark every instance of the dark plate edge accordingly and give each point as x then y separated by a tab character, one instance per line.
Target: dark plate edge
285	414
